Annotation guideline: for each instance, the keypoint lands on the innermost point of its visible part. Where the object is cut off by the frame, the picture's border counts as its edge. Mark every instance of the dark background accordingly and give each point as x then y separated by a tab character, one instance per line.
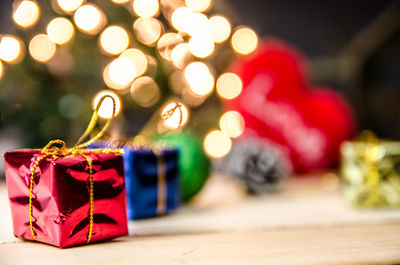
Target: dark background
328	30
352	46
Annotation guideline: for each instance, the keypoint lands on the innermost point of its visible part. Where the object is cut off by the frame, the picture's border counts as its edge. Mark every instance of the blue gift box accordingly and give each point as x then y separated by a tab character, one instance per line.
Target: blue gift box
151	179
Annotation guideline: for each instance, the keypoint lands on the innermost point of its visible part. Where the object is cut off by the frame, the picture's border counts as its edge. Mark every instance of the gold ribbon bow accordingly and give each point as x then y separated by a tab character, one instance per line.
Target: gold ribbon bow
51	149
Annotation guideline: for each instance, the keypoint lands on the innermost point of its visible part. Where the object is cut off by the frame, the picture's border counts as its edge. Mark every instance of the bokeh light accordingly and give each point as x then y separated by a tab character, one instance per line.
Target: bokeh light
220	28
106	109
217	144
232	123
42	48
167	43
114	40
120	73
185	20
90	19
147	30
192	99
197	23
175	120
26	14
1	69
10	49
244	41
198	5
176	81
329	181
180	55
145	91
109	82
138	58
69	6
199	78
60	30
120	1
180	18
146	8
201	45
229	86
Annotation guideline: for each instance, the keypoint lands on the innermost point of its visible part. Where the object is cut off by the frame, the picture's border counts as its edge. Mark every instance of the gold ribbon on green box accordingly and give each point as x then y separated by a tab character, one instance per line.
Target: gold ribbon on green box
370	169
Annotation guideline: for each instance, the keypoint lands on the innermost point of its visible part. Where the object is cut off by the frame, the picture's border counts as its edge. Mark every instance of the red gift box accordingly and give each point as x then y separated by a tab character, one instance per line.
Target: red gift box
61	210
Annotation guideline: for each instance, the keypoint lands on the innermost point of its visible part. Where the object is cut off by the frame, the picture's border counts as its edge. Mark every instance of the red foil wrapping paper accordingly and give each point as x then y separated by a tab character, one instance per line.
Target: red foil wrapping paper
61	197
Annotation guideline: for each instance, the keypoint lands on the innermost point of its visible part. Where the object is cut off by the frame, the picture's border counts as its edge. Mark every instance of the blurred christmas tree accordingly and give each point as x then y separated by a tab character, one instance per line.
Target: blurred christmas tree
146	52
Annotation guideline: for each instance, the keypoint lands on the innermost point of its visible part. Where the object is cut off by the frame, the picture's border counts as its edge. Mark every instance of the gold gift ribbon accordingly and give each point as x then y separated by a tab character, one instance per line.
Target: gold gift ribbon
78	149
371	157
161	184
161	167
142	137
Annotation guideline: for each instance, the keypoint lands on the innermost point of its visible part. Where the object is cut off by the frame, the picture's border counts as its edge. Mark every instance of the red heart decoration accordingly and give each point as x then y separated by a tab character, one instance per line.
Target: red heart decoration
307	123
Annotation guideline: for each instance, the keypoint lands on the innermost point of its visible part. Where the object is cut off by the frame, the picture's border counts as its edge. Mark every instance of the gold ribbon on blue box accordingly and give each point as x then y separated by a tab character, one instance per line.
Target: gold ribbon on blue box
370	169
151	170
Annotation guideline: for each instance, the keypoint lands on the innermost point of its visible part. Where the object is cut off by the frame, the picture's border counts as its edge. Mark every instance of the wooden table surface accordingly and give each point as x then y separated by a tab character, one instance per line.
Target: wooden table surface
306	223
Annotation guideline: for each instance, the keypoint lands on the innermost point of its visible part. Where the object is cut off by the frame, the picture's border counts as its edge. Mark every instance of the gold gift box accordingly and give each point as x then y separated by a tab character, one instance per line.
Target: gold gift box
371	172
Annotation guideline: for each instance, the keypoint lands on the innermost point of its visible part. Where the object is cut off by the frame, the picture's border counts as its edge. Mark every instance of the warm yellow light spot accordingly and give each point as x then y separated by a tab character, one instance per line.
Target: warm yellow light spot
198	5
145	91
147	30
60	30
244	41
178	118
329	181
42	48
167	42
232	123
180	18
146	8
185	20
10	49
201	45
114	40
138	58
197	23
26	14
106	109
120	73
180	55
1	69
120	1
89	18
229	86
220	28
190	98
110	83
69	6
176	82
217	144
199	78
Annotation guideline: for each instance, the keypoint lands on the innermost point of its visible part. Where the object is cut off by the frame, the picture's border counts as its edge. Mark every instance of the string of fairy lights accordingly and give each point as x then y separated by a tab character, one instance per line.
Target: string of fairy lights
186	47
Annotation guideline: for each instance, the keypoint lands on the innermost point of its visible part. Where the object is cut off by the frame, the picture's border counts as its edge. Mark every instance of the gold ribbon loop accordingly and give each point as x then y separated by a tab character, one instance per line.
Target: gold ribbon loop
50	146
93	122
58	148
150	128
168	114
